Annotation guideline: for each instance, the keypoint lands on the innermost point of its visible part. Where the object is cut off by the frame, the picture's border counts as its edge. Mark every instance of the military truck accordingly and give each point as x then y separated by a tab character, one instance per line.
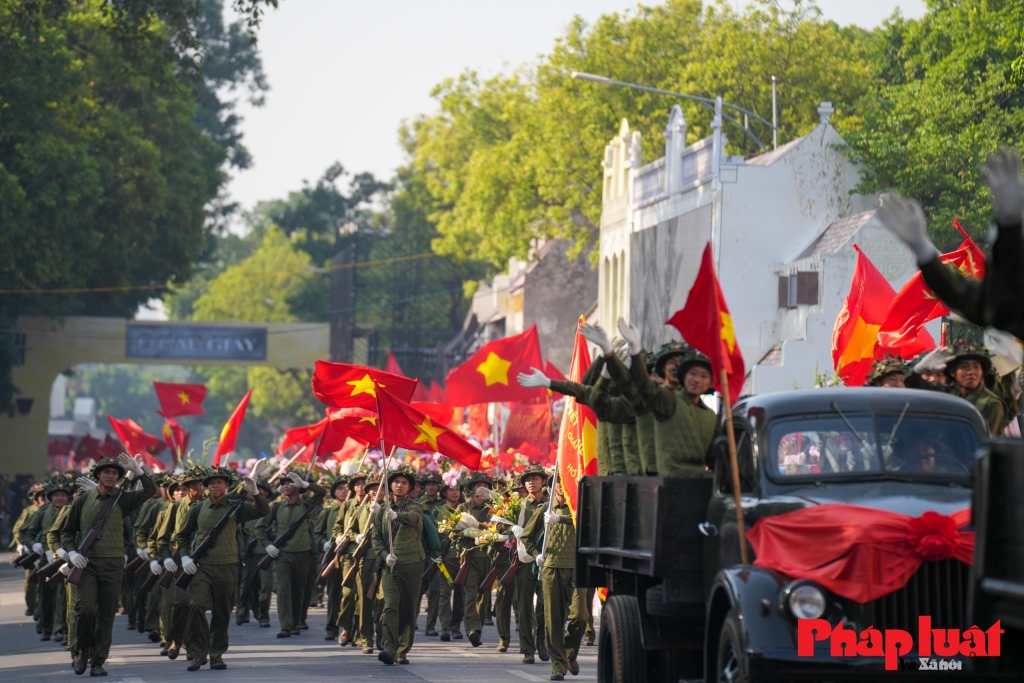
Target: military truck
682	606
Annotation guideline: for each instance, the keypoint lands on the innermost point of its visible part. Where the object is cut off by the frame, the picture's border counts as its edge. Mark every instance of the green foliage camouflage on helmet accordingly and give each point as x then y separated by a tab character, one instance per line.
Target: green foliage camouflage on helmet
967	349
221	472
887	365
533	468
402	471
335	482
105	463
670	350
193	473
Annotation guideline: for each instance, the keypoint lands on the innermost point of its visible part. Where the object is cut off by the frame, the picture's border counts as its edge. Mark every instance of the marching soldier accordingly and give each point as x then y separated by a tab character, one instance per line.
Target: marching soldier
257	586
475	602
38	496
147	605
66	615
530	623
162	595
347	526
446	591
58	491
431	499
564	604
213	585
96	597
372	606
397	530
504	599
292	563
430	502
189	493
335	509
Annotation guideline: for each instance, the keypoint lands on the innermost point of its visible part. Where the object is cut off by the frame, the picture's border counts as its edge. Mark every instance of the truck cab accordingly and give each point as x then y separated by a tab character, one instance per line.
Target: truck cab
682	606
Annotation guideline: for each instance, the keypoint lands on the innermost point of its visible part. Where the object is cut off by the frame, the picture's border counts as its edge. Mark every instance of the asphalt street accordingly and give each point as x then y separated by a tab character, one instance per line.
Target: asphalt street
257	655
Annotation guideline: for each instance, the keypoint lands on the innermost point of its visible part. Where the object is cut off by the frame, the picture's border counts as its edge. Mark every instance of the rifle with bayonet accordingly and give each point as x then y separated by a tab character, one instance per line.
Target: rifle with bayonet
96	532
364	546
290	532
207	543
378	568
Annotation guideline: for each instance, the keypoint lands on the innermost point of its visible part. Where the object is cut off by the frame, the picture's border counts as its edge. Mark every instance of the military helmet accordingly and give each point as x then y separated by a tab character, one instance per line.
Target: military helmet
172	482
37	490
335	482
225	473
372	480
105	463
534	469
692	359
480	478
403	471
889	365
192	473
265	484
516	482
60	482
965	349
362	473
432	478
671	350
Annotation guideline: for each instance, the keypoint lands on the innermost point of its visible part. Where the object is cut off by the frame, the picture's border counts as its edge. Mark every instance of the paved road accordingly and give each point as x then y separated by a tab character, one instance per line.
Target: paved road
256	654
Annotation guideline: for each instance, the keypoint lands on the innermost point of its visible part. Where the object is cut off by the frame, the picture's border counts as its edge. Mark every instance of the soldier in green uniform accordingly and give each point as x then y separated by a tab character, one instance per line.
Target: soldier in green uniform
213	585
64	617
969	371
163	596
38	496
58	491
430	502
478	507
446	591
96	596
371	606
189	493
257	586
531	630
347	526
504	599
397	528
565	612
335	507
147	605
293	561
890	372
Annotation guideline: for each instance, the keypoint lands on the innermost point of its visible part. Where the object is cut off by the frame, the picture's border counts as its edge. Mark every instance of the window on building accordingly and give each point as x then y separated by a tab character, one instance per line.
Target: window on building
21	345
800	288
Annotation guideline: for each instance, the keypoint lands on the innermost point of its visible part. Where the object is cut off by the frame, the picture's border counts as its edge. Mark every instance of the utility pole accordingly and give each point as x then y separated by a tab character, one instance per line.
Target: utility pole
775	117
343	297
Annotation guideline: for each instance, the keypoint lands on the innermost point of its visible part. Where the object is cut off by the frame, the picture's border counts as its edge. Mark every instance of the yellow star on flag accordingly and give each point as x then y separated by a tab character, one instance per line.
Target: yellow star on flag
371	420
727	330
167	430
862	343
363	386
428	432
312	430
494	369
184	398
224	432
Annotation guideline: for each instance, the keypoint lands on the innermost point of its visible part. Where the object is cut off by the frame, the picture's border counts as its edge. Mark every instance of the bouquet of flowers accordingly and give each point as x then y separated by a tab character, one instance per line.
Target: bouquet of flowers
447	523
506	504
485	535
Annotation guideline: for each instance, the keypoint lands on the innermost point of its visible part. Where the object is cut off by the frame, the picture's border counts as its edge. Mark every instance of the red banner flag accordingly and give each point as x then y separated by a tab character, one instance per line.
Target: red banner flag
916	304
437	394
362	424
341	385
577	435
406	427
301	436
706	325
179	399
229	435
176	439
529	423
134	438
855	336
489	376
87	449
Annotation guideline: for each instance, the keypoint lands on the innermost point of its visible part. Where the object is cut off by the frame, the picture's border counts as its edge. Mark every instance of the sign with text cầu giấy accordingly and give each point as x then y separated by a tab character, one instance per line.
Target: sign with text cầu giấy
196	342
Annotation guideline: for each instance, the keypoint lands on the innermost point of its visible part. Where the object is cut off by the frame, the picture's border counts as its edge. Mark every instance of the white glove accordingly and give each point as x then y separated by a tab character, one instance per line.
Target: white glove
1003	176
524	556
250	486
65	569
359	538
905	218
338	539
374	506
470	521
517	530
126	558
297	480
631	333
934	361
142	463
86	484
540	560
436	560
128	463
552	518
595	334
188	565
49	557
327	547
37	548
536	378
272	550
259	468
156	567
391	515
501	537
622	352
143	553
391	560
62	554
170	566
78	559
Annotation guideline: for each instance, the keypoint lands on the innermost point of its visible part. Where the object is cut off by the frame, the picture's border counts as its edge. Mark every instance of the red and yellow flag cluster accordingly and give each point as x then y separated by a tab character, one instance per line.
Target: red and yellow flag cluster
577	435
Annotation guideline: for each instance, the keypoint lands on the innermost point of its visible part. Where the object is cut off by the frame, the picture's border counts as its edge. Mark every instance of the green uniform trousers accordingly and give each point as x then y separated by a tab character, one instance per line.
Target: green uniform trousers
179	632
308	588
128	594
166	604
370	609
401	597
475	599
256	589
588	605
504	598
31	592
332	593
96	605
147	606
565	616
528	617
434	600
47	607
213	588
72	630
60	608
292	577
446	595
348	615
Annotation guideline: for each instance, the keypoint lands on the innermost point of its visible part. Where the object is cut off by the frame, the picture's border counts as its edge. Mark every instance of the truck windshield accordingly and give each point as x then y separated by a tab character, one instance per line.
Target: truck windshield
912	444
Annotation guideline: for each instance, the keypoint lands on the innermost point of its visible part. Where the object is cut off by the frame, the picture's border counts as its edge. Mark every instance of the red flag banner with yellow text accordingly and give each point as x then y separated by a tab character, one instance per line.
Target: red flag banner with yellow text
577	435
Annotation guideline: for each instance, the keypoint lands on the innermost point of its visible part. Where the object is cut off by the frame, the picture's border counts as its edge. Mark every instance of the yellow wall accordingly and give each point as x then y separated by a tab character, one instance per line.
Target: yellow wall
56	344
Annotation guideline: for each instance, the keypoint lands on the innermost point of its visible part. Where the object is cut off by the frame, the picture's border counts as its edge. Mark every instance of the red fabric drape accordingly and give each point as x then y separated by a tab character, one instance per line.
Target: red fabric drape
857	552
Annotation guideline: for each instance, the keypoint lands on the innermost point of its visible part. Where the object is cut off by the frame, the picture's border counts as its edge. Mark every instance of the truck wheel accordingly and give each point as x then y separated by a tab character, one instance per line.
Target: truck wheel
731	664
621	657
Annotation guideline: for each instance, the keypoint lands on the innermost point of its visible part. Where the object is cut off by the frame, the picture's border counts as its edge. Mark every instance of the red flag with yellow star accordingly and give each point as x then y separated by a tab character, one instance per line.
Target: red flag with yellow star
229	435
301	436
176	438
577	436
179	399
706	325
405	426
489	376
135	440
361	424
341	385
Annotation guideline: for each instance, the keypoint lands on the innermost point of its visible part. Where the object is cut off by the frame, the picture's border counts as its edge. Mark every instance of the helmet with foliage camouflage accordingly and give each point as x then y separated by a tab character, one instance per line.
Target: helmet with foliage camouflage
650	360
171	482
372	480
433	477
37	490
334	482
480	478
106	463
967	349
403	471
670	350
889	365
534	469
225	473
362	473
60	482
193	473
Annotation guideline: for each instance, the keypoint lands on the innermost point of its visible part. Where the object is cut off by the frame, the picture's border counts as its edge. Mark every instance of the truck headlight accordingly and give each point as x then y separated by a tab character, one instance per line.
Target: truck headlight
805	600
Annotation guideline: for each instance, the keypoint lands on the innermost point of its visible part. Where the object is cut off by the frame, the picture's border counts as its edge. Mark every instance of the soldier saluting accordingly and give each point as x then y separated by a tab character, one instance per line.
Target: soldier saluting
95	601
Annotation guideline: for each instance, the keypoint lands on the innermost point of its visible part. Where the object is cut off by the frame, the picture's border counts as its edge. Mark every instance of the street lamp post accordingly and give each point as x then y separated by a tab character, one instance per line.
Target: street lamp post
705	101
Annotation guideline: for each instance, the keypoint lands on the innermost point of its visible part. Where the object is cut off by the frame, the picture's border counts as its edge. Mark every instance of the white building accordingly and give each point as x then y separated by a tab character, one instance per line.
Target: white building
779	224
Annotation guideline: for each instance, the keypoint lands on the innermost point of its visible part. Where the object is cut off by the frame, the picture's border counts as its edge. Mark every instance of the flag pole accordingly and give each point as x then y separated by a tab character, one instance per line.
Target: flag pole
285	466
385	484
734	465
